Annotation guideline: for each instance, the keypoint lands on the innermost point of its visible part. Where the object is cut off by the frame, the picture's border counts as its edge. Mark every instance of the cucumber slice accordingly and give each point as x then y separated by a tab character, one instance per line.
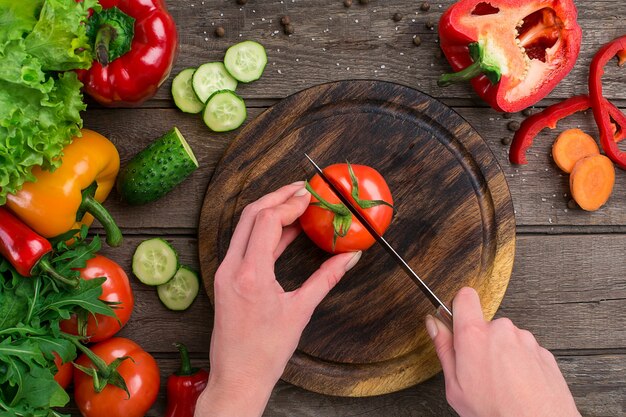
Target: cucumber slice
224	111
155	261
246	61
157	169
179	292
182	92
211	77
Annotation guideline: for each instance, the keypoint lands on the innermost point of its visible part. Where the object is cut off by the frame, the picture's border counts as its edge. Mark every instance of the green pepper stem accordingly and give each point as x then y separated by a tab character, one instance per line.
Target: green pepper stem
185	363
97	210
45	266
465	74
106	33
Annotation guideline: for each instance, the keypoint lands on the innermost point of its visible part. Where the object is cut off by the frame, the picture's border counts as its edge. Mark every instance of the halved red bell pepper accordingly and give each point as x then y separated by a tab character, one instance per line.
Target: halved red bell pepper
135	43
514	51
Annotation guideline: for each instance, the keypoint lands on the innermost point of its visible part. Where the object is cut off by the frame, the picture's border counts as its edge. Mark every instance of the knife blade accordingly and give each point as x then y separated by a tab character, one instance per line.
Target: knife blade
442	311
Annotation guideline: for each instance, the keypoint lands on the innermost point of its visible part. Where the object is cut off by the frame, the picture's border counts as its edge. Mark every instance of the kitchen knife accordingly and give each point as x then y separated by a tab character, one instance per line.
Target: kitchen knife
443	312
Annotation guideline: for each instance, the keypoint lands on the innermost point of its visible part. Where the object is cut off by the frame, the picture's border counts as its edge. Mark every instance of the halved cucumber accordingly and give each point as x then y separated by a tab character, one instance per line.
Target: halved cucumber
246	61
179	292
155	261
211	77
224	111
183	94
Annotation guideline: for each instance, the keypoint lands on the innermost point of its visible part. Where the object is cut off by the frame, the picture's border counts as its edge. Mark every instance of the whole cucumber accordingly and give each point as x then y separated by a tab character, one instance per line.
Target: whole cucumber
157	169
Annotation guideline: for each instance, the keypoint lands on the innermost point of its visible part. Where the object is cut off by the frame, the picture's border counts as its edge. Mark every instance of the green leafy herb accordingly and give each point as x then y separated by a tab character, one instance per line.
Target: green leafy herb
39	105
30	312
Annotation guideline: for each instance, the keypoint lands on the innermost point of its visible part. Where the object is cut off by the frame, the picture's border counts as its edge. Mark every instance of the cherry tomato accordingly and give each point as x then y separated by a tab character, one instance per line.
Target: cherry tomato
115	289
330	225
141	375
63	377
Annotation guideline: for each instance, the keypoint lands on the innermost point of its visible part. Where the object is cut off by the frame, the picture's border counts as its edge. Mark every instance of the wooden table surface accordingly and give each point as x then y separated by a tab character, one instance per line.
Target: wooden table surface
568	285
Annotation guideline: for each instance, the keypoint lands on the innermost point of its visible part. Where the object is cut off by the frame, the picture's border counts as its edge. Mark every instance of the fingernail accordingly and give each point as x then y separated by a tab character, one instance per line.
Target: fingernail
300	183
302	191
353	261
431	327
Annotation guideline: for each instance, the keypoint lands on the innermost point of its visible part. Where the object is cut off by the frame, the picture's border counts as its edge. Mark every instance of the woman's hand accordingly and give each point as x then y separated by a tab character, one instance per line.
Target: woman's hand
257	324
494	369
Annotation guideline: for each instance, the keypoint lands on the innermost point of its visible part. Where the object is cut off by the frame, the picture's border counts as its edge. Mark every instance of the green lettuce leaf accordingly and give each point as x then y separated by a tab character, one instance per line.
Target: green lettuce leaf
18	18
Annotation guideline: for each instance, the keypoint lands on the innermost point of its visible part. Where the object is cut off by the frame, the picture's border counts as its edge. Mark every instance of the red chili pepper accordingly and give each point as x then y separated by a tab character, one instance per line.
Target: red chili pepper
184	387
514	51
550	116
600	112
135	43
26	250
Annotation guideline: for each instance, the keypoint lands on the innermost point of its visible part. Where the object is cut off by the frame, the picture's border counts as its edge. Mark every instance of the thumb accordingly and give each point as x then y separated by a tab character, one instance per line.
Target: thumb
444	345
313	291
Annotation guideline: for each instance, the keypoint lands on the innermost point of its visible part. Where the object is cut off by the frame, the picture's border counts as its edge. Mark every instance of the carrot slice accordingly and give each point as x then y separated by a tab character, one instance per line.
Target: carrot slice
571	146
591	181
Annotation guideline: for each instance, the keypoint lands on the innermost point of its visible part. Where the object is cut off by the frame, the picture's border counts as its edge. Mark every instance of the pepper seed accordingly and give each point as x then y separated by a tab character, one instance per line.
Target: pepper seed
220	32
397	17
347	3
430	25
506	140
425	6
513	126
288	29
285	20
417	41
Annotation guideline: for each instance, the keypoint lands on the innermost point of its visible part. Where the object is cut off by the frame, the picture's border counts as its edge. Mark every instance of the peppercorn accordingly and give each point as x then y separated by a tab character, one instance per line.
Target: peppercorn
242	1
285	20
506	140
430	25
425	6
417	41
438	53
572	205
507	115
288	29
397	17
364	1
220	32
347	3
513	126
527	111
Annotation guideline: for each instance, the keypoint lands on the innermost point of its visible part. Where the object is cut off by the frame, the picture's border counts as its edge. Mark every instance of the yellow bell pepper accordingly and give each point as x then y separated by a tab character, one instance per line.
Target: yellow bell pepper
70	196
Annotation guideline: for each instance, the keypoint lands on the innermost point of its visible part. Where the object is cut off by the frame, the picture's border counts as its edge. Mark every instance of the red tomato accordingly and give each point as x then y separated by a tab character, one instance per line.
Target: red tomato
63	377
317	221
116	289
141	375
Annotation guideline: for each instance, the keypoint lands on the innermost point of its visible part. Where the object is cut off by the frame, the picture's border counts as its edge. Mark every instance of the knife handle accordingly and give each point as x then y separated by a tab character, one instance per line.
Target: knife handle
445	317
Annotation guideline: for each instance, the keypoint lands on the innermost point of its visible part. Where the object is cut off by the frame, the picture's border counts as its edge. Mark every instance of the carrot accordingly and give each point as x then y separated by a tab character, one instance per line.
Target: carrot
571	146
591	181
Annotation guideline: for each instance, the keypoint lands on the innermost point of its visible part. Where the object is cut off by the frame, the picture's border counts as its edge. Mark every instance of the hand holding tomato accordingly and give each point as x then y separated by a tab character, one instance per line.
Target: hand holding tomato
257	324
330	224
116	289
112	359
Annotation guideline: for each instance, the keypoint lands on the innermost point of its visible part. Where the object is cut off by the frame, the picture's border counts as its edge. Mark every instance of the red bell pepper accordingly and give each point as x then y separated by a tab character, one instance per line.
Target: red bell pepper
551	115
26	250
184	387
135	42
514	51
600	111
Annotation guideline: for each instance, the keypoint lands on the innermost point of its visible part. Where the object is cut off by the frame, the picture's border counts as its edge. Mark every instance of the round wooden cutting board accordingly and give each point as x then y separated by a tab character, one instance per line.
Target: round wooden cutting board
453	223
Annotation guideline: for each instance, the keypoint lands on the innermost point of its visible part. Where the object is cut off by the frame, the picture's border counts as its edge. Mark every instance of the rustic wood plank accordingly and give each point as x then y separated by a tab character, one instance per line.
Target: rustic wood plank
597	382
540	190
568	290
332	42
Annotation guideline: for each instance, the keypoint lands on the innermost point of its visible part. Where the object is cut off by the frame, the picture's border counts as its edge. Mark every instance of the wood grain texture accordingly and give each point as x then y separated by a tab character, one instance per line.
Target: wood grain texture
332	43
454	218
